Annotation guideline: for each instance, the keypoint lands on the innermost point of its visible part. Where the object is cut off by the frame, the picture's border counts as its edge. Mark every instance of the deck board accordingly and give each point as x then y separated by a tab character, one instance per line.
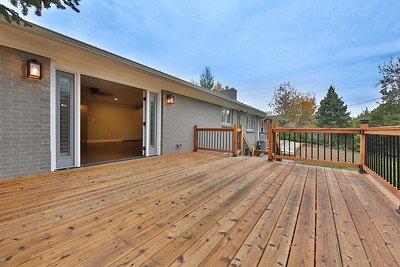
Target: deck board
198	209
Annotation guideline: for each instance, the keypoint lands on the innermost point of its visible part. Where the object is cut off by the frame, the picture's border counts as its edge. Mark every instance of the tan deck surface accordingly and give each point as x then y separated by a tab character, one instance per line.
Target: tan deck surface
198	208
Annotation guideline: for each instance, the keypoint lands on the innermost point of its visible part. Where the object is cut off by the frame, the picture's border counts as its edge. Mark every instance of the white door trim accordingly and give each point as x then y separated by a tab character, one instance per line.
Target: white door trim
146	114
53	117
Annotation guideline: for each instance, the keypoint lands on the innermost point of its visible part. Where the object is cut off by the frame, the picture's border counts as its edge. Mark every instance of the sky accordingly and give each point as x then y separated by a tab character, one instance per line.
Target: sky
251	45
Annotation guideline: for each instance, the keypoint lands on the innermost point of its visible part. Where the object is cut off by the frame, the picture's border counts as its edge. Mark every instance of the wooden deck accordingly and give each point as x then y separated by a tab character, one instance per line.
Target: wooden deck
198	209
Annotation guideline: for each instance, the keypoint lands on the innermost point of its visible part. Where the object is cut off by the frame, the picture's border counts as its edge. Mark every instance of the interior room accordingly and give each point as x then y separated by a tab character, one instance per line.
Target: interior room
111	121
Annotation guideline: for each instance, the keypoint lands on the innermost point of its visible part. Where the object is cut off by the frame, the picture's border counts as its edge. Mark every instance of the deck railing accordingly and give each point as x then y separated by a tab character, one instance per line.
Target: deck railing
318	145
228	140
382	153
375	150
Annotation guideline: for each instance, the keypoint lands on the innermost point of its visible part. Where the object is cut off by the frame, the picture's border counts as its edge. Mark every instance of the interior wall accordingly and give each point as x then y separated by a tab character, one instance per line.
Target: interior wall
107	122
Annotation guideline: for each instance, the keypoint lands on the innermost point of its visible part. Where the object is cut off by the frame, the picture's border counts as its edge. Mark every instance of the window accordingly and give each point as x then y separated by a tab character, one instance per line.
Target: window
249	123
226	116
262	127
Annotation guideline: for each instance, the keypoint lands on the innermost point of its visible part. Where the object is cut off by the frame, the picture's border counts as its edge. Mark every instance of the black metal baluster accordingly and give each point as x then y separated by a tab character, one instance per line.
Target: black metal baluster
300	146
384	156
373	152
380	161
345	147
331	141
289	145
369	152
387	158
391	165
376	153
318	145
306	145
324	146
398	162
338	148
352	148
381	167
312	145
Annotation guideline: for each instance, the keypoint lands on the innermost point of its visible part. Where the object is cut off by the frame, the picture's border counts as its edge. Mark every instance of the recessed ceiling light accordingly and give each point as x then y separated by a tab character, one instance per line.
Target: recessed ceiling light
116	99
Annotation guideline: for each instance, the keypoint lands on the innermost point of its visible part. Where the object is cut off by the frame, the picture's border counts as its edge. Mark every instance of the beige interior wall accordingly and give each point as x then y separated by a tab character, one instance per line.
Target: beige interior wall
112	122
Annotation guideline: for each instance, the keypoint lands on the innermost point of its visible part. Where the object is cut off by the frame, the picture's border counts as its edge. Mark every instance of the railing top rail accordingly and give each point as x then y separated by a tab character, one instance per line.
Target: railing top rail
390	130
318	130
227	129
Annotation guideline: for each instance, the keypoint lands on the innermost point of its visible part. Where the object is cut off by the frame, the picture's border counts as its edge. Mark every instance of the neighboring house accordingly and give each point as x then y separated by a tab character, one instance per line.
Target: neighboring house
83	105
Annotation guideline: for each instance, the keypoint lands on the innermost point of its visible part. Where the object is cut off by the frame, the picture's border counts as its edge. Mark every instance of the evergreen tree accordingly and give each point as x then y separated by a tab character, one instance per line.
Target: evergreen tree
12	15
207	79
332	111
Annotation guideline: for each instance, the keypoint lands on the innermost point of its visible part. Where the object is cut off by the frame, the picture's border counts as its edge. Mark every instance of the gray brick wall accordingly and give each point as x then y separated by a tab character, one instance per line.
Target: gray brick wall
178	121
24	116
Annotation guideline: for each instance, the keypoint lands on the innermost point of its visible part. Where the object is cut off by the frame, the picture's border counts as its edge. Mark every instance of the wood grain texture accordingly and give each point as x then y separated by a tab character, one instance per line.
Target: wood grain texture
198	209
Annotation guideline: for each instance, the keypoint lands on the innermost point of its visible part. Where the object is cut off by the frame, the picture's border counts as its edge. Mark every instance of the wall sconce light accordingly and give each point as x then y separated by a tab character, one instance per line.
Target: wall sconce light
170	99
34	69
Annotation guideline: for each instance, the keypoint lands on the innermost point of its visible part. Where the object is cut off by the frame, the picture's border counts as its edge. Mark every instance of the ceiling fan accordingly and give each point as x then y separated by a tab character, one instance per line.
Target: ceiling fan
94	91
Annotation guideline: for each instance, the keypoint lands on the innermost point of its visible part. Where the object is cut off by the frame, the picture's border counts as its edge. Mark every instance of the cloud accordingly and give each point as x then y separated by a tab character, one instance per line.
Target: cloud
252	45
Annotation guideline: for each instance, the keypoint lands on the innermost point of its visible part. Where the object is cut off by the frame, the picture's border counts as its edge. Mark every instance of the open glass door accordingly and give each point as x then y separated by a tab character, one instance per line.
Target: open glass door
65	88
152	124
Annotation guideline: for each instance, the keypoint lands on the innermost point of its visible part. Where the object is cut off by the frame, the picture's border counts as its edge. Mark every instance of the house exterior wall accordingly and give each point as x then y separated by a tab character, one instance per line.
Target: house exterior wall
252	136
179	119
24	116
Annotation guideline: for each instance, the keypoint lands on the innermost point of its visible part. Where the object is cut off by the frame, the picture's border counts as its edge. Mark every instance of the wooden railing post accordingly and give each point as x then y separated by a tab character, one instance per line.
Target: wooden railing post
235	141
195	138
241	139
271	140
361	163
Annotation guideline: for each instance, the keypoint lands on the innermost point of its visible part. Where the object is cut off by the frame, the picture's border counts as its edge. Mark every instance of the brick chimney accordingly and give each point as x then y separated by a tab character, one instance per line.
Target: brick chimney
229	92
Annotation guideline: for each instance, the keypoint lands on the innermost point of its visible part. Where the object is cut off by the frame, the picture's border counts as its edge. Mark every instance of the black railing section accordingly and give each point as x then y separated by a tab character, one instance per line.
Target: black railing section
319	146
383	157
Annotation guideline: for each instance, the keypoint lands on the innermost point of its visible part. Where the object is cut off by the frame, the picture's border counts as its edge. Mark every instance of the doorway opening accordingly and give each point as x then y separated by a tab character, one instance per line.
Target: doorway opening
111	121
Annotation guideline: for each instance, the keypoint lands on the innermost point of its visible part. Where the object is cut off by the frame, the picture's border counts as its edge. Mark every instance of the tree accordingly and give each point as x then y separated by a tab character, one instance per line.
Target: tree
356	122
218	87
386	114
207	79
297	109
390	81
192	81
11	14
332	111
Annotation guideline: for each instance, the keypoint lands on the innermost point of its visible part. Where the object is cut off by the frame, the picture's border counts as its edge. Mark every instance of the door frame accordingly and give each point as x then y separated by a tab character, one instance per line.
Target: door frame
59	65
53	114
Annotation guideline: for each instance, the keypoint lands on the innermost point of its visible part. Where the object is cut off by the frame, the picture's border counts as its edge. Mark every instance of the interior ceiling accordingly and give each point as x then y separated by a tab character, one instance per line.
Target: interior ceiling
125	94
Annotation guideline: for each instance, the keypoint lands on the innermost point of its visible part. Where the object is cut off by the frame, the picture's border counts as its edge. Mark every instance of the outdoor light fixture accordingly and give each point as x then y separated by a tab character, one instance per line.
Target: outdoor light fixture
34	69
115	99
170	99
